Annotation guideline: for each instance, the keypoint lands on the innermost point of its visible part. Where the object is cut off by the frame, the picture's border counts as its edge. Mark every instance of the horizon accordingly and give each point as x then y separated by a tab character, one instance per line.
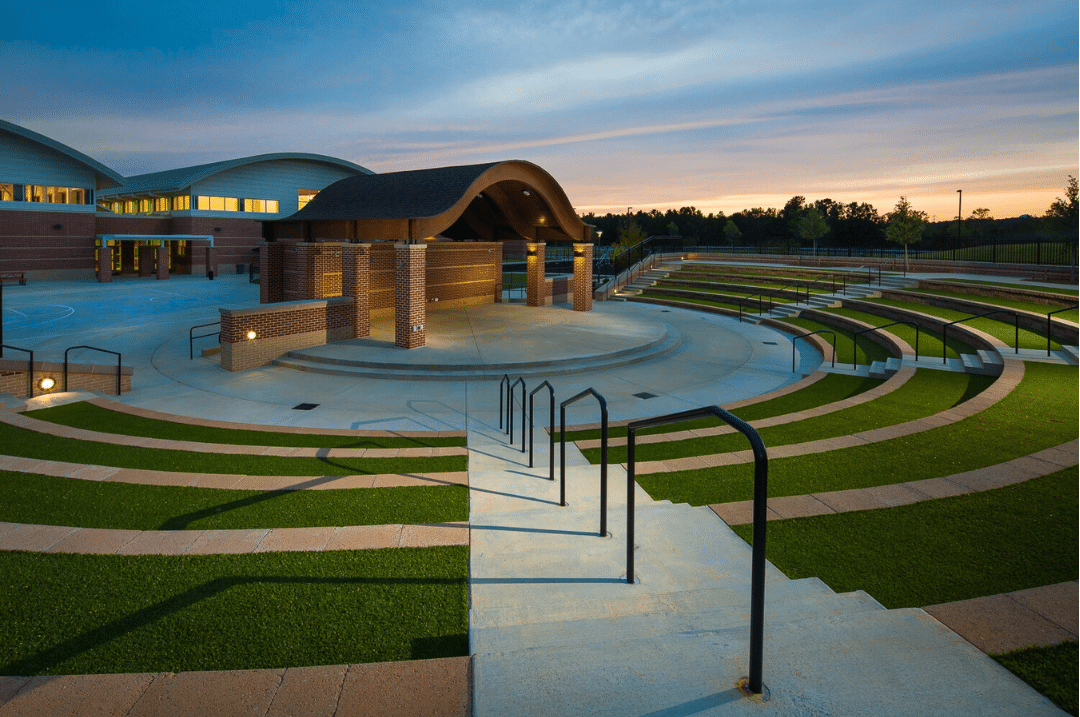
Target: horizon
709	104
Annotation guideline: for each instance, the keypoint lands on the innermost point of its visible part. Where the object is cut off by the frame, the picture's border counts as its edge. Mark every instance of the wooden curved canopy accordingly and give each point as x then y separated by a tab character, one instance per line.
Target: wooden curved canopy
493	201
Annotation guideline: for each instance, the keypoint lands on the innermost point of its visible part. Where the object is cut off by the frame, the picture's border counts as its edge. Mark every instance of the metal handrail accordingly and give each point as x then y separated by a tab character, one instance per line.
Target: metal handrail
30	392
855	339
757	562
119	365
551	427
1016	329
191	339
1049	326
811	333
603	453
510	412
505	381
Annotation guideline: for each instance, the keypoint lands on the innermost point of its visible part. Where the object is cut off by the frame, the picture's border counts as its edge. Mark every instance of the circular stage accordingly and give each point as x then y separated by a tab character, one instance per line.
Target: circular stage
485	342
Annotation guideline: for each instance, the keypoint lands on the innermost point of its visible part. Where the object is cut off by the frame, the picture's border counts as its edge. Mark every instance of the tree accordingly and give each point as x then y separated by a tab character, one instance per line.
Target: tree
673	230
811	226
905	226
630	234
981	214
1065	211
731	232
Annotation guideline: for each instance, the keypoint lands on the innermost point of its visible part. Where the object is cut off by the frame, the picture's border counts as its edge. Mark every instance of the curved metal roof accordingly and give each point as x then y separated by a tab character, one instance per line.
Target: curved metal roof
433	199
174	180
105	176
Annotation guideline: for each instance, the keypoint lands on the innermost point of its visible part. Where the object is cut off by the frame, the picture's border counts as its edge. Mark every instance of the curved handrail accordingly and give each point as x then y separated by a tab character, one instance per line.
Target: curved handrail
551	427
757	562
119	366
505	381
811	333
30	391
1049	326
603	452
191	339
510	411
855	339
1016	329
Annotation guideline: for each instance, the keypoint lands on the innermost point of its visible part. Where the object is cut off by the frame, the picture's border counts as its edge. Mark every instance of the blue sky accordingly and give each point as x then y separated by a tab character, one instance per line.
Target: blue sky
720	105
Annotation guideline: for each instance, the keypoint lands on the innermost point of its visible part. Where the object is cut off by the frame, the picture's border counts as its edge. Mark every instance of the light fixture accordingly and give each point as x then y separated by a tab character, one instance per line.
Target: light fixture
251	335
57	226
526	192
46	384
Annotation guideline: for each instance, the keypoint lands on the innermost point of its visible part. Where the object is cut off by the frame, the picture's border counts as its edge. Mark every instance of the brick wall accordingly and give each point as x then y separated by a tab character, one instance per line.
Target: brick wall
535	286
410	295
15	378
583	278
280	328
31	243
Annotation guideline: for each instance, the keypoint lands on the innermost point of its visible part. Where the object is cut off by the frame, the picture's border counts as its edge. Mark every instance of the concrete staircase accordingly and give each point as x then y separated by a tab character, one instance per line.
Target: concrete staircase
645	280
555	628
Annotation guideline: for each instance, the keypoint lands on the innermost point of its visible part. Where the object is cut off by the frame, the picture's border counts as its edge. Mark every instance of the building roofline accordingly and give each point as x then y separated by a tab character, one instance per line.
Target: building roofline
111	177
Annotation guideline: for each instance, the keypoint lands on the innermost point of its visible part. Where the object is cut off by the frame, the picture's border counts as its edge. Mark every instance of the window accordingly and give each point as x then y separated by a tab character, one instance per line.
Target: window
77	196
231	204
36	193
303	196
255	205
217	204
272	206
7	192
181	202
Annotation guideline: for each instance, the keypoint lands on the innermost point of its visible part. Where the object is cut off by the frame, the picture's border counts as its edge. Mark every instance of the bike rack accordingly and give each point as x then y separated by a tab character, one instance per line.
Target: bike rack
510	412
551	427
855	339
757	562
119	366
811	333
191	339
603	453
30	371
1016	329
1049	325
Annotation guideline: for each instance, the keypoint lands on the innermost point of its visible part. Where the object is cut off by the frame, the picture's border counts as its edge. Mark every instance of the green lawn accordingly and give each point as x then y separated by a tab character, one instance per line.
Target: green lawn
94	614
1021	285
939	550
926	393
1001	327
867	351
929	342
95	418
1039	413
46	500
1051	670
993	301
31	444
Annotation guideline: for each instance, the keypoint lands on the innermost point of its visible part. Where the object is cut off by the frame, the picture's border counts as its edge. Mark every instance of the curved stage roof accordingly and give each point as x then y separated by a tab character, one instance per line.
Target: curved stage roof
486	201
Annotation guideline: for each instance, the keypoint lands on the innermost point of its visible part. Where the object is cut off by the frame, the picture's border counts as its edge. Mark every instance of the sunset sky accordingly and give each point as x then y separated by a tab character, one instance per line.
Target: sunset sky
719	105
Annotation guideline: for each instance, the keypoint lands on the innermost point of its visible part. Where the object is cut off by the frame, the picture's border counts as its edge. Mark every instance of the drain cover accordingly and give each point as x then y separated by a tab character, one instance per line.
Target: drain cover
770	343
645	395
305	406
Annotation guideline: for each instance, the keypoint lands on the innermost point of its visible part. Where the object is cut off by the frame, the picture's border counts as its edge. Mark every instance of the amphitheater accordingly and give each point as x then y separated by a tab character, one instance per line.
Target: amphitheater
362	529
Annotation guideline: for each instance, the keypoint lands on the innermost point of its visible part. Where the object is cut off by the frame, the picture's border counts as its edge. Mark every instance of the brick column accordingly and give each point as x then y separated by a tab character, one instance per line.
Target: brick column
356	283
497	261
535	286
104	269
410	295
211	261
583	279
146	260
271	272
163	261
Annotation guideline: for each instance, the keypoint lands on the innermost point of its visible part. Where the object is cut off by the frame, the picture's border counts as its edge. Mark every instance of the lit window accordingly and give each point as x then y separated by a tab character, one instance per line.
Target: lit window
255	205
217	204
272	206
57	195
37	193
77	196
7	192
202	203
181	202
231	204
303	196
144	206
129	207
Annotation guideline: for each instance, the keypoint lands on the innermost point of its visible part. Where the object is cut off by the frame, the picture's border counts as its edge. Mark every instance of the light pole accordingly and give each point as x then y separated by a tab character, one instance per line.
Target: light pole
959	213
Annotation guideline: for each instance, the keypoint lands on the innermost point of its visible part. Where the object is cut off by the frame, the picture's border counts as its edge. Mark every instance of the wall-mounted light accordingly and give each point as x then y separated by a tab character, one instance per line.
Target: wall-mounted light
46	383
251	335
217	229
526	192
57	226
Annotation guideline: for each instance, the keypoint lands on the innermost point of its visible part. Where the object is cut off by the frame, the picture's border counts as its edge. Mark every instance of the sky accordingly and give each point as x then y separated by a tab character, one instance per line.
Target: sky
722	105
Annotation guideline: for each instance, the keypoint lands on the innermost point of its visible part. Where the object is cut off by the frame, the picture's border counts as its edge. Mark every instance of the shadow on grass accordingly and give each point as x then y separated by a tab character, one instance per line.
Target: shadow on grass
74	646
181	522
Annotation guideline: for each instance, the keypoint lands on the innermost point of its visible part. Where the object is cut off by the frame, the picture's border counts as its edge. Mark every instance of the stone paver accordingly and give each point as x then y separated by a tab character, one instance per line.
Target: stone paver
76	695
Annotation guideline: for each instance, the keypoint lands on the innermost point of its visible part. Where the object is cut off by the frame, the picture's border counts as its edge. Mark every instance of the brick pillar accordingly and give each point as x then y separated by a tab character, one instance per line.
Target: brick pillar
583	279
211	261
535	286
163	261
356	282
146	260
410	295
104	270
497	260
271	272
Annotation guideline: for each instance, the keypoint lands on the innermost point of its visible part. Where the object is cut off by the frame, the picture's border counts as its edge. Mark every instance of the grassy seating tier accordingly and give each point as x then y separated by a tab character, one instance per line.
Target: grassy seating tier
926	393
1041	412
929	342
996	301
1028	287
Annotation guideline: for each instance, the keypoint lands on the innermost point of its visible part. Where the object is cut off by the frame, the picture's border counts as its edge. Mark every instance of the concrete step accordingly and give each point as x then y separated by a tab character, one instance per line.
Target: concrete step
1071	354
673	618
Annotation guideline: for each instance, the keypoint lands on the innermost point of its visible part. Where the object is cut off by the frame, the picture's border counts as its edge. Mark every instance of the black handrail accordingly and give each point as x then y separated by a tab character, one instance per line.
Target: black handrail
30	392
603	453
119	366
510	412
855	339
504	382
757	562
191	339
551	427
1016	329
811	333
1049	326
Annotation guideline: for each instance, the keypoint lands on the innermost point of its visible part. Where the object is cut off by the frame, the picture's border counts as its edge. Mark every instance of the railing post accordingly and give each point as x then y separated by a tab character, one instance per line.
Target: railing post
603	452
505	381
551	428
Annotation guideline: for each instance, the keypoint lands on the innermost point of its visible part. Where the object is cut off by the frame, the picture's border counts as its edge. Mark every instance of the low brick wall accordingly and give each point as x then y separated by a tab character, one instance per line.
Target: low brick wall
280	328
15	377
